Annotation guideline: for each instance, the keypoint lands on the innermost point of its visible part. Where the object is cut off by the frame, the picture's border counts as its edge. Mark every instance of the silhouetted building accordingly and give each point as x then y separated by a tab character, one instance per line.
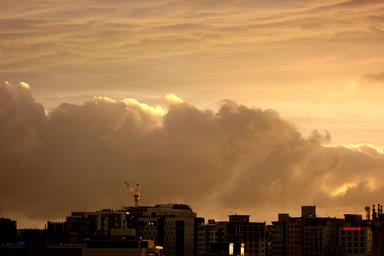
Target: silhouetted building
287	237
313	236
307	235
81	225
377	230
247	235
121	248
56	233
176	231
268	240
320	236
200	237
215	236
169	225
32	241
355	236
238	236
131	247
99	224
7	231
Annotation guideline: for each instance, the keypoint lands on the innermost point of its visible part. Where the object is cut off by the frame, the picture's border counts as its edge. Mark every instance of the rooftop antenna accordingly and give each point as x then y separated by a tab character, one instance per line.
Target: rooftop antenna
135	191
374	216
367	212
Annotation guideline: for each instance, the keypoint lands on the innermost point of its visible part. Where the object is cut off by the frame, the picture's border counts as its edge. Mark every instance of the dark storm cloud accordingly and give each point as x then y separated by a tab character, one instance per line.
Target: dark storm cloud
236	159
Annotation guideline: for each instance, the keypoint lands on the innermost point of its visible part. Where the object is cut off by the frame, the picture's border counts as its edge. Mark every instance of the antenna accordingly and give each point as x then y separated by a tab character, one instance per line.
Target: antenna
367	212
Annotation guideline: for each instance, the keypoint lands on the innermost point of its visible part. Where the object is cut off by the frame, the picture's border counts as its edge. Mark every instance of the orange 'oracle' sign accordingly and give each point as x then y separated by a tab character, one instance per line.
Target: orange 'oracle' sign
352	228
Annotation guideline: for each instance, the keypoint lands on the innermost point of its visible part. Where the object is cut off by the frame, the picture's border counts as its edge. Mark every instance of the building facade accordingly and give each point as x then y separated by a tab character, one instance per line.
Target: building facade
169	225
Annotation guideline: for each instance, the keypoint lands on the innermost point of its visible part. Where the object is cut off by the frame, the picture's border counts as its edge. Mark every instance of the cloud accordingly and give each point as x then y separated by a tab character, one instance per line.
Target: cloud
236	159
373	78
25	85
173	99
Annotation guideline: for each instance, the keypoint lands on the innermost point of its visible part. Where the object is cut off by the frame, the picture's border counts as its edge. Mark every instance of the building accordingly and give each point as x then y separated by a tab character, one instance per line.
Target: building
200	237
56	233
355	236
246	235
287	236
171	226
320	236
268	240
81	225
310	235
131	247
7	231
238	236
215	236
121	248
307	235
99	224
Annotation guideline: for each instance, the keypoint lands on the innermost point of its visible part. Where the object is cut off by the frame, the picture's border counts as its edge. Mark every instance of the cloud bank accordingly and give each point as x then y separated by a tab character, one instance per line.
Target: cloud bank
304	58
236	159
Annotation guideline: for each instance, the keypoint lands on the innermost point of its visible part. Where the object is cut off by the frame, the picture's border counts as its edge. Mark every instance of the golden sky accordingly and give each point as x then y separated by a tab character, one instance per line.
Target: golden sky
318	63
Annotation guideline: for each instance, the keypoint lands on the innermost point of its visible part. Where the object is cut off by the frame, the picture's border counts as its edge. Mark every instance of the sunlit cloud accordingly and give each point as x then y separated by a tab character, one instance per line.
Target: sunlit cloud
25	85
173	99
105	99
155	110
340	191
212	158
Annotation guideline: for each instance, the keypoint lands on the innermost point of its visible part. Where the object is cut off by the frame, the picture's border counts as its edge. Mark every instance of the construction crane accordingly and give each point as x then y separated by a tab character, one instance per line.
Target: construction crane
134	189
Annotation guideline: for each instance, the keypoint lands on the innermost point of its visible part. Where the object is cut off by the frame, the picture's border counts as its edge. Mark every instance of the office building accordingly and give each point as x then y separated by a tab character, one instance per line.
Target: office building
238	236
246	235
171	226
287	236
355	236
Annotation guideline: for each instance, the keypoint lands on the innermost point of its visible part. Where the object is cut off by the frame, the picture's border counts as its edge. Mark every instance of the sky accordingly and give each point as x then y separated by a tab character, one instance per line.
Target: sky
230	106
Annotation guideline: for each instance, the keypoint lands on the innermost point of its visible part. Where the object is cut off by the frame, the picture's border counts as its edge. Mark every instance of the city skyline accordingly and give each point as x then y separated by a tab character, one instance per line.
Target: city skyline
176	230
234	106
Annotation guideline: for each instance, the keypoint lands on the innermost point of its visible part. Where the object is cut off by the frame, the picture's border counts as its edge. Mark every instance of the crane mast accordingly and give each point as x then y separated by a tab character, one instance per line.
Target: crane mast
135	191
